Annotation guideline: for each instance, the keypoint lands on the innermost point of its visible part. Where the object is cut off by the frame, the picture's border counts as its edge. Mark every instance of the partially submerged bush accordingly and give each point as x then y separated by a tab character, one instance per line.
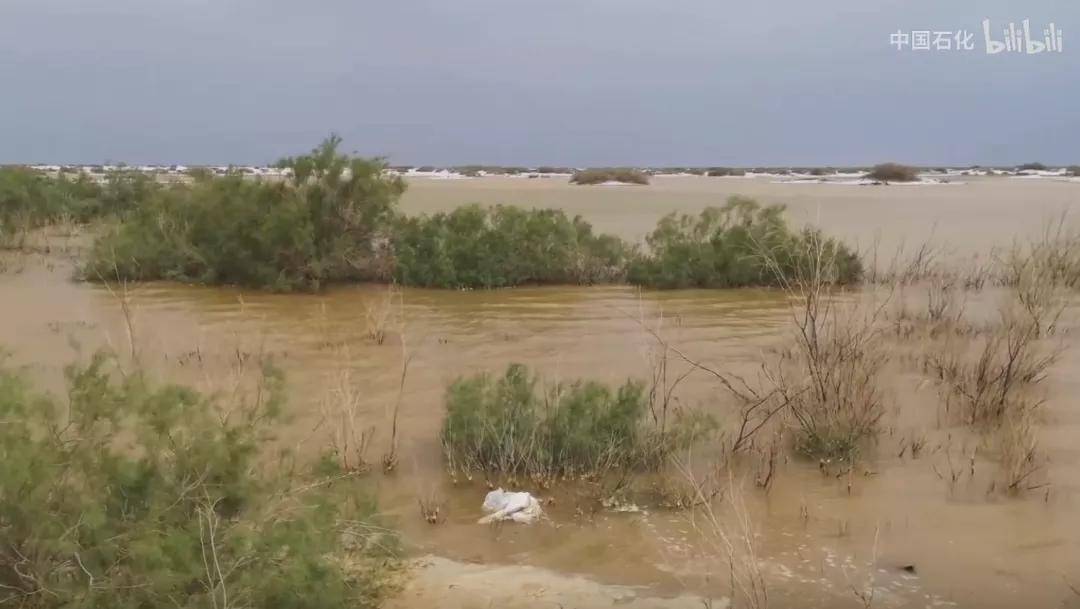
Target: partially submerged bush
992	387
335	220
729	247
1017	443
1041	271
893	172
140	496
502	246
1008	362
29	200
830	381
122	193
840	401
618	174
514	426
507	246
325	225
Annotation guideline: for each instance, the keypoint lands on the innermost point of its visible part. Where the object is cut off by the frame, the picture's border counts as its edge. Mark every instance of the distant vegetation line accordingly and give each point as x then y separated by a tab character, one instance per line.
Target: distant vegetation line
578	175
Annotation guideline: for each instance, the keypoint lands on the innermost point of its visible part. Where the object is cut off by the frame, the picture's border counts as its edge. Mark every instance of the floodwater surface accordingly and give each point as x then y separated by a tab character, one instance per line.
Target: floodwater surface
895	524
971	214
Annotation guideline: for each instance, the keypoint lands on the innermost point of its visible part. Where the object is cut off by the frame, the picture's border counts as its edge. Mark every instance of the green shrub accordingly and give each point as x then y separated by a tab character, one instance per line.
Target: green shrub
133	496
842	403
335	220
24	201
30	200
601	176
122	192
513	426
726	247
1031	167
893	172
324	225
501	246
1073	170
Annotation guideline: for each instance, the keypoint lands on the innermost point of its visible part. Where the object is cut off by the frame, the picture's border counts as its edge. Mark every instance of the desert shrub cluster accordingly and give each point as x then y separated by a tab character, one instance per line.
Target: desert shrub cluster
30	200
893	172
325	225
502	246
719	172
336	219
734	246
515	425
129	494
623	175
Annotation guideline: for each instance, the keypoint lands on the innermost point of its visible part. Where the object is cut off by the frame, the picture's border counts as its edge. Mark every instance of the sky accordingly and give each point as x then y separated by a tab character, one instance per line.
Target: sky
509	82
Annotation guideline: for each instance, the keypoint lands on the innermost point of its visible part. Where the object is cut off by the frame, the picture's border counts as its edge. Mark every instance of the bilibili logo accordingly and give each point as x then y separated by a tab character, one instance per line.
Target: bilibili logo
1013	38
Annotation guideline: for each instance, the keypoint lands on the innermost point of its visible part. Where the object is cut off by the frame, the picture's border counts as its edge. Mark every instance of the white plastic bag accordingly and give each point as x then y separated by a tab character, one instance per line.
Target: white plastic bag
503	505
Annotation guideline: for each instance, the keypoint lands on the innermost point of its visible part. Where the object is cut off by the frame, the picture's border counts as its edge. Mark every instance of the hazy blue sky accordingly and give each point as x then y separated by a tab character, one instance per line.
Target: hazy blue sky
583	82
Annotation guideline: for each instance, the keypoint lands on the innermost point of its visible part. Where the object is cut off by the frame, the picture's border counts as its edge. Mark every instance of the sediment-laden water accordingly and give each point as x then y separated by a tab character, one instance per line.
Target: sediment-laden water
922	540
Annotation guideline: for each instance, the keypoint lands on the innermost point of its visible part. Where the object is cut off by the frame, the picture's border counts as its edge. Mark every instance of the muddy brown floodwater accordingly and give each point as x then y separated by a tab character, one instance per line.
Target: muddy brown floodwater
816	540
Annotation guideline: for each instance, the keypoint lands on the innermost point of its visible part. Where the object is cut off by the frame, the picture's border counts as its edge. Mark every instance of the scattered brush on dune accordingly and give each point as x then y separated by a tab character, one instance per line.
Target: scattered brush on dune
893	172
623	175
